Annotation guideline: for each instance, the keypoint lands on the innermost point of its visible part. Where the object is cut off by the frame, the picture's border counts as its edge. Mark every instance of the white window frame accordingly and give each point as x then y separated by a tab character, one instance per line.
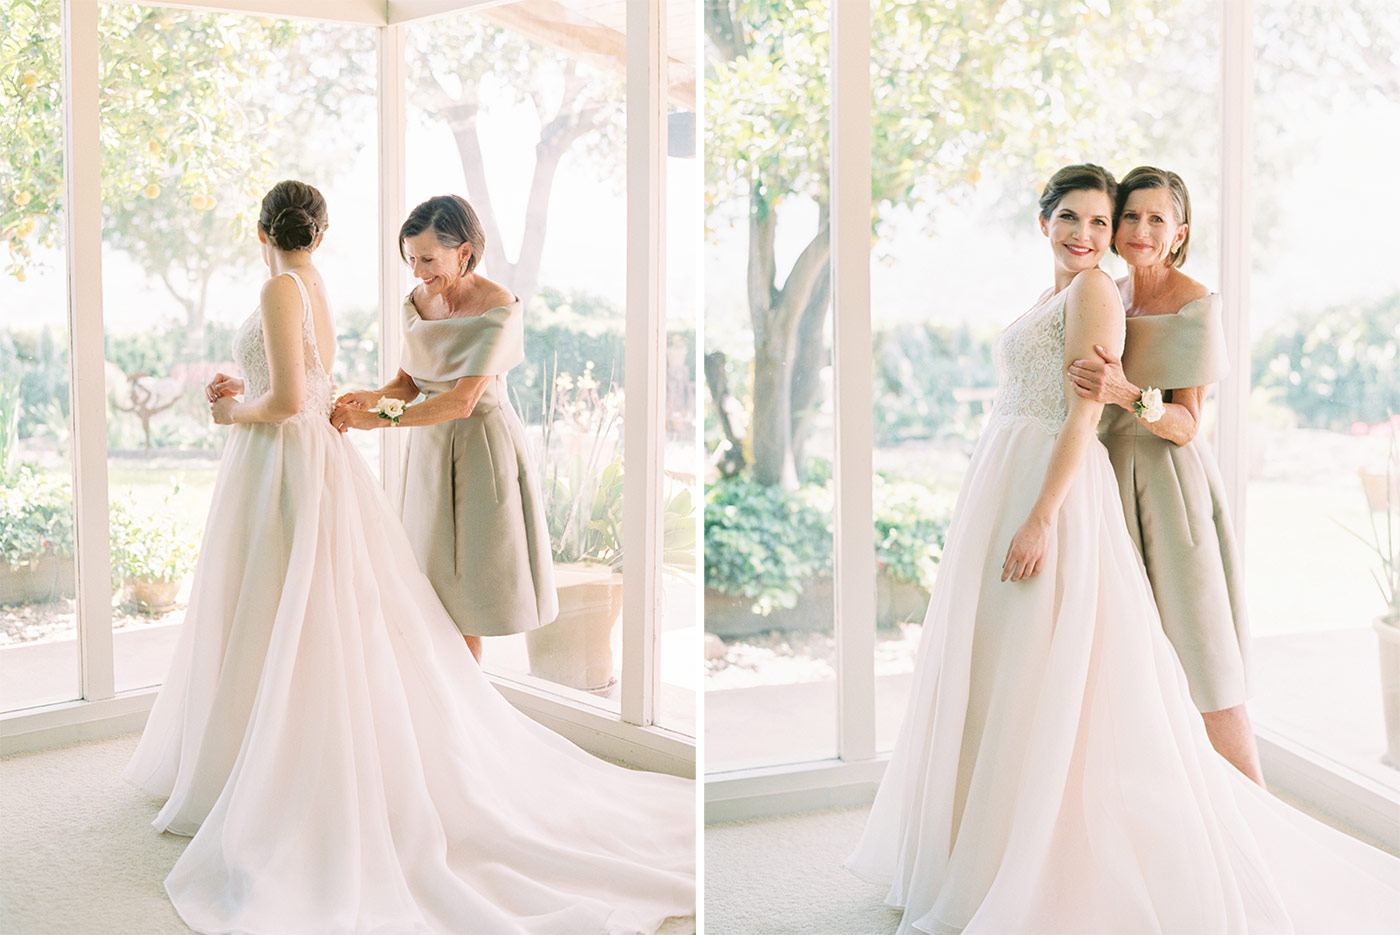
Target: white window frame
631	735
851	778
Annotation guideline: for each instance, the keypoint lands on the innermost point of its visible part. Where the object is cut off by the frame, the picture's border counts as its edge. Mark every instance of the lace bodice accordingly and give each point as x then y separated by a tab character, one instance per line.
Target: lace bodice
251	355
1029	358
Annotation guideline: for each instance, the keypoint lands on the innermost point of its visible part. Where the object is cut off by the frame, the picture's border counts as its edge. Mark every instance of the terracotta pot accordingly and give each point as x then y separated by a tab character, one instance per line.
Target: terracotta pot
1382	490
1388	634
576	649
150	596
41	579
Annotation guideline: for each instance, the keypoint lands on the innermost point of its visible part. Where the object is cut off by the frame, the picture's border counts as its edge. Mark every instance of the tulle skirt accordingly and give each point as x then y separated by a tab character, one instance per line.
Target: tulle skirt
1052	774
340	760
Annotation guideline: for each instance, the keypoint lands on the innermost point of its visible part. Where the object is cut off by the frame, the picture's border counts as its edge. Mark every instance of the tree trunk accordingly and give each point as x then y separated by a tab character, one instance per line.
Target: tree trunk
775	315
810	360
557	136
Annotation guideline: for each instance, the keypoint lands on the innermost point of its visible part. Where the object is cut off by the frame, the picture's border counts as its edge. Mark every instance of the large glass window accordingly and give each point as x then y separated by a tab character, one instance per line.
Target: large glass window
38	614
201	114
1325	343
956	171
770	685
524	118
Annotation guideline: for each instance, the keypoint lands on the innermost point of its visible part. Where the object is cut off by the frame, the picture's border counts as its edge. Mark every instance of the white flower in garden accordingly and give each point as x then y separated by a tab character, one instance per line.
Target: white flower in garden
563	383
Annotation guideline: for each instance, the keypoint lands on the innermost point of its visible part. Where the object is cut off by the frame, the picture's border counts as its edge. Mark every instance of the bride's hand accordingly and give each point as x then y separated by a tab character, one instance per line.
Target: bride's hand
221	410
1027	551
360	399
222	385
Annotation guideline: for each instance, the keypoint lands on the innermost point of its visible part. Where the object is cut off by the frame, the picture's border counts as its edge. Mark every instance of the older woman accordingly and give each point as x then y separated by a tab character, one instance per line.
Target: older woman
1172	494
470	500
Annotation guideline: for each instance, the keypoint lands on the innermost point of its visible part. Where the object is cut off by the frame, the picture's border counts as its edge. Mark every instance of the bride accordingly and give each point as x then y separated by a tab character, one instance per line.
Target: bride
323	733
1051	774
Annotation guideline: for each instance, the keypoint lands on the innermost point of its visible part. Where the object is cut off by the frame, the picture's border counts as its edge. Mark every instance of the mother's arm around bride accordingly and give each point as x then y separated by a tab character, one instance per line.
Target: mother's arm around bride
470	500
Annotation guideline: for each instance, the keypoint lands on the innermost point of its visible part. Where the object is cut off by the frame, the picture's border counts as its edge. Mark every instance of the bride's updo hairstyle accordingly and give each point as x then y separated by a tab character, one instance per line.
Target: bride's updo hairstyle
1084	176
293	215
453	223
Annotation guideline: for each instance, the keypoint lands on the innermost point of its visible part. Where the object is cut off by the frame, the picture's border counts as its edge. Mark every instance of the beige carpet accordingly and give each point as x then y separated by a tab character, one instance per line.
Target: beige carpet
783	876
78	855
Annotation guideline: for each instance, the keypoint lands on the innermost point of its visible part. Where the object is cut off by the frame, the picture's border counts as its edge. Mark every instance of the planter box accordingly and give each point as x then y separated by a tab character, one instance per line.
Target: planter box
42	579
896	601
576	649
1389	651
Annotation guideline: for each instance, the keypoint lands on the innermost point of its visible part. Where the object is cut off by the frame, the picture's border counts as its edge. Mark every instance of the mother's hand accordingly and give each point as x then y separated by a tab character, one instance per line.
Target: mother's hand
346	416
1101	379
360	399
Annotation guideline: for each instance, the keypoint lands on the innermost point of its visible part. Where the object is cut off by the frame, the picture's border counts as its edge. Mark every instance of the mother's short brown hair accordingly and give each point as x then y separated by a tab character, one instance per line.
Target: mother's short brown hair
451	220
1152	177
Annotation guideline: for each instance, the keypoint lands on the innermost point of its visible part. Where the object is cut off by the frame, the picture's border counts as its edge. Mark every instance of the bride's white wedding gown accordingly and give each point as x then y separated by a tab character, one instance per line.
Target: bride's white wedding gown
1052	774
342	763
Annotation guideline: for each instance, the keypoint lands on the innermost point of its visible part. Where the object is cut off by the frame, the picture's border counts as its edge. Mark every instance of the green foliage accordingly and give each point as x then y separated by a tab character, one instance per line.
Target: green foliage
36	515
150	545
918	367
9	427
1336	367
910	524
764	543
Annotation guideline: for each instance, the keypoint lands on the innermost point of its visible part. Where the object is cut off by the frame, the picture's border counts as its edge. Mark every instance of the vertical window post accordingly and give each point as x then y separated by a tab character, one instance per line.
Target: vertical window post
392	126
852	379
646	290
1236	218
82	218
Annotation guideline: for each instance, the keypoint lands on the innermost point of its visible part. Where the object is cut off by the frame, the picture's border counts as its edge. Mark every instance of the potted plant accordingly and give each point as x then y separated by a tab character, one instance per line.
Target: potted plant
36	519
152	552
1383	509
582	486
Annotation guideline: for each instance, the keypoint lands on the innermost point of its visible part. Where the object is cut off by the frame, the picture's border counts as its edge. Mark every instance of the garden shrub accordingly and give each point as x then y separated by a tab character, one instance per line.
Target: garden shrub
764	543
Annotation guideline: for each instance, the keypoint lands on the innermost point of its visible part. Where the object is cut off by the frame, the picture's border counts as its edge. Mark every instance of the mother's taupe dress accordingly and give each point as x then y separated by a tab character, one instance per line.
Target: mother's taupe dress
1174	501
470	500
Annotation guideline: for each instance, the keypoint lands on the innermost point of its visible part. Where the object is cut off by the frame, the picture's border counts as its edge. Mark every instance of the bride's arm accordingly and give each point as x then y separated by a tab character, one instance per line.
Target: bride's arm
1093	315
282	336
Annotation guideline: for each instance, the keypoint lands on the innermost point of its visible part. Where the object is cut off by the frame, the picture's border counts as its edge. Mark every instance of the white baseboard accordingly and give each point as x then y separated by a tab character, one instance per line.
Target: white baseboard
779	790
596	731
1341	796
1345	799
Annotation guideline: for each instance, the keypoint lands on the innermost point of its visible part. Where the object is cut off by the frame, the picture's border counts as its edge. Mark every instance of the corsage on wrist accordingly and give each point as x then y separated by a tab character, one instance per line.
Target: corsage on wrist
1148	407
389	408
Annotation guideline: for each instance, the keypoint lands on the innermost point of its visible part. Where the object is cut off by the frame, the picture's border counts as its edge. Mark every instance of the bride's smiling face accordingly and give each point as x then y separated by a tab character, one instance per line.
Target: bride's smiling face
438	266
1080	229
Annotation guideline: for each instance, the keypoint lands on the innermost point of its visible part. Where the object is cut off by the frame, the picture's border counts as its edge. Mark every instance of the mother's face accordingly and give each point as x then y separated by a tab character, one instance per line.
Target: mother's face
1148	233
437	265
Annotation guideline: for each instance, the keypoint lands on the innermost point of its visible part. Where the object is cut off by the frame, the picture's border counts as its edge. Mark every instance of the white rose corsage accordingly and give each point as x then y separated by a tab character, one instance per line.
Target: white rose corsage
1148	407
389	408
